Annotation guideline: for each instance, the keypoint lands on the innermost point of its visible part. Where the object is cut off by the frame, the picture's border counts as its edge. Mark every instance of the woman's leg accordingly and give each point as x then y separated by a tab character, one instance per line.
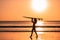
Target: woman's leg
36	33
31	33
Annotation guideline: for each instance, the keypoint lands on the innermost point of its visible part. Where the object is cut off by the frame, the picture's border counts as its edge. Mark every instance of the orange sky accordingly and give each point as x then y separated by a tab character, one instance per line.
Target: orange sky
15	9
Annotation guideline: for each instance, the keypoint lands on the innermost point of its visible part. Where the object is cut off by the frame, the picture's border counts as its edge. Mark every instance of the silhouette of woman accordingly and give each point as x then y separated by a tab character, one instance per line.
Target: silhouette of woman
34	21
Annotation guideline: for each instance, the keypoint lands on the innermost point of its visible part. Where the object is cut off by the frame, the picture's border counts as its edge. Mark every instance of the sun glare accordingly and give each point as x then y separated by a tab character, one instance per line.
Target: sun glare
39	5
39	29
39	23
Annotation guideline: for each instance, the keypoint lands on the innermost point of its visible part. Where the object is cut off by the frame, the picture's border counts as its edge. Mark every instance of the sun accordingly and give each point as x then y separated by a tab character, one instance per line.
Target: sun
39	5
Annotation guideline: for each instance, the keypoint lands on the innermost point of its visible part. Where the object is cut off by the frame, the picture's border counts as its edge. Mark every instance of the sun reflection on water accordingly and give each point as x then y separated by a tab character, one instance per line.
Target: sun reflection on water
39	29
39	23
39	38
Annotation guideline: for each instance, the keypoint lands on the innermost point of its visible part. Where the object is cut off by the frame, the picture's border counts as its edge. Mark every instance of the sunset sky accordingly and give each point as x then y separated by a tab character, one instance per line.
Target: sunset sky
16	9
